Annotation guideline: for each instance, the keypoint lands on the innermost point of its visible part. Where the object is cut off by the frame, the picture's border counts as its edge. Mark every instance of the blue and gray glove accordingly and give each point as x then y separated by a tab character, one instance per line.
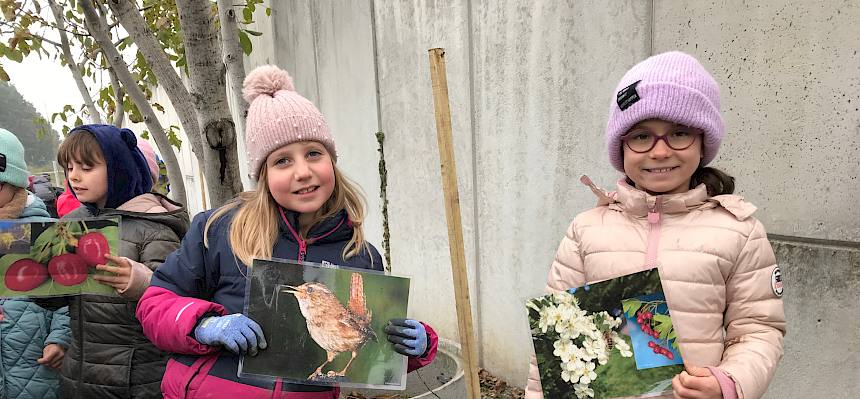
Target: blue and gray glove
236	332
408	336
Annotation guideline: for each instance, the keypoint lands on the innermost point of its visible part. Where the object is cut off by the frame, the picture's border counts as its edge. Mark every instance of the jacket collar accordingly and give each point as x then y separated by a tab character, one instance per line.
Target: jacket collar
336	228
638	203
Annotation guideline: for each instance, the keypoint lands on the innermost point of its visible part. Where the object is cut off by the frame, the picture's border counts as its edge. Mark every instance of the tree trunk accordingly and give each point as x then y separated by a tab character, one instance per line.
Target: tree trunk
99	32
234	61
95	117
209	90
119	112
132	21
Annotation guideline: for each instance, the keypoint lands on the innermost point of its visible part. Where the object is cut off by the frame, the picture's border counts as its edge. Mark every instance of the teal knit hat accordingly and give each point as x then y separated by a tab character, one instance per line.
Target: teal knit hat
13	168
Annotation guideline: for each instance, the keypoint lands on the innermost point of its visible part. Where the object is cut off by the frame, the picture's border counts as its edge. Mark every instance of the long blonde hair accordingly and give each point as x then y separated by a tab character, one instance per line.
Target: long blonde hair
254	229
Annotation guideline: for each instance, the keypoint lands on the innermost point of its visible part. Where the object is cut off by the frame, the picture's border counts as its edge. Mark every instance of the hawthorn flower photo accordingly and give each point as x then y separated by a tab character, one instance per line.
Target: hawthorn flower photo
588	340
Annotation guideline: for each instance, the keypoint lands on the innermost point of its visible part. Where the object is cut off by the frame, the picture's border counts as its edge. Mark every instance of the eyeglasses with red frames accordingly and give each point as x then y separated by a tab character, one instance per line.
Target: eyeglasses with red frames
641	142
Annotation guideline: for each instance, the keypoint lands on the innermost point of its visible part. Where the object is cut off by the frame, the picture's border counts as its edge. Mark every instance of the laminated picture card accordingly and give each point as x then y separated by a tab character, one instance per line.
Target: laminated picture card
324	324
611	339
56	258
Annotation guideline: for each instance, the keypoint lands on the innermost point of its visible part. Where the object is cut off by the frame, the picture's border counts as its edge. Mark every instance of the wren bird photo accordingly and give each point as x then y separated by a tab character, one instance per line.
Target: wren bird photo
324	324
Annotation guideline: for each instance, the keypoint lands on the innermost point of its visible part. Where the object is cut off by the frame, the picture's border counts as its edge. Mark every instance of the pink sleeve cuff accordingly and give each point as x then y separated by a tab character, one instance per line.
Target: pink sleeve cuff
415	363
727	384
138	280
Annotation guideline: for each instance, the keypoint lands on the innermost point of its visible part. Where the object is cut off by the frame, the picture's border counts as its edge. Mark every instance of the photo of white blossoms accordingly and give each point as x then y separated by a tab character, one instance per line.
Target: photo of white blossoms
583	345
582	341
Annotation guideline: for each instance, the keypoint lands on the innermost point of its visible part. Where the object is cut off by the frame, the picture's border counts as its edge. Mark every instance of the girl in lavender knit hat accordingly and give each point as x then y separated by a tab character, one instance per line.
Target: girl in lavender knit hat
303	208
673	212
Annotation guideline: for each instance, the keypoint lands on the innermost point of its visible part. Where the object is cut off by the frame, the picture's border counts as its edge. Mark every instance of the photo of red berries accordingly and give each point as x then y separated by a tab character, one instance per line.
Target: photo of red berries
651	331
61	260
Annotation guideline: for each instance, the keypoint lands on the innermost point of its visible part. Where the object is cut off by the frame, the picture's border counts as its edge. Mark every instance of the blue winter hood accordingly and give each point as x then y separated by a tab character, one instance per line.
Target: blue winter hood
128	173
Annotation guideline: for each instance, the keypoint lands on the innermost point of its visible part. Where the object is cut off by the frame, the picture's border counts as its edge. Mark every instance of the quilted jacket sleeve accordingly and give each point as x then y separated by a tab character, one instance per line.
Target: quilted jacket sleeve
754	318
566	271
157	245
61	331
171	307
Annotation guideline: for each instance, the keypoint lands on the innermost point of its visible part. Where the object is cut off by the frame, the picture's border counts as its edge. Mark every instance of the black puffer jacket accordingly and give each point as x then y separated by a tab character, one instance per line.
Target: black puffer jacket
109	356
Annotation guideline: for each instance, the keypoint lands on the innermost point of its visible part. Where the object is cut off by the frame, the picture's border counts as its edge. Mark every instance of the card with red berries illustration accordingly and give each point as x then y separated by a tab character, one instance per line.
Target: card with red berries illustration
59	259
606	340
325	324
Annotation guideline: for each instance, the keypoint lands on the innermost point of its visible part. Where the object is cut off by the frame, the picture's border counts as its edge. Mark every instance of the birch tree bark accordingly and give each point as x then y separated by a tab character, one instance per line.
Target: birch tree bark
99	33
128	15
208	89
233	60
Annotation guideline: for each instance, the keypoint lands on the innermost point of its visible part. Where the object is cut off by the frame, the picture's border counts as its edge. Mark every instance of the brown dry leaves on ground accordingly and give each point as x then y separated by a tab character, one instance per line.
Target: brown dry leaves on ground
495	387
491	387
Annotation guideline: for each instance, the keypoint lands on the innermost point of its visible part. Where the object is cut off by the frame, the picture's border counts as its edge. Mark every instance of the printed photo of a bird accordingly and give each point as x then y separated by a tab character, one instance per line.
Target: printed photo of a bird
332	326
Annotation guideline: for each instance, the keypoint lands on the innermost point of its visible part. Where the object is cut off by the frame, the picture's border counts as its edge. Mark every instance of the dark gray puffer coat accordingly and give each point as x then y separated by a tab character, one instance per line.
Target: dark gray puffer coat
109	356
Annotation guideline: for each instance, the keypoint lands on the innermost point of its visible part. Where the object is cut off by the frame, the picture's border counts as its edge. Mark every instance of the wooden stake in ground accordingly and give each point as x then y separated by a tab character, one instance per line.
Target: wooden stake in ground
455	227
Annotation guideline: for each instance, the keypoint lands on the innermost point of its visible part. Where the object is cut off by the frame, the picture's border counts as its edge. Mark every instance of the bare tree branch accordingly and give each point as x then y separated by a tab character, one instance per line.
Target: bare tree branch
95	116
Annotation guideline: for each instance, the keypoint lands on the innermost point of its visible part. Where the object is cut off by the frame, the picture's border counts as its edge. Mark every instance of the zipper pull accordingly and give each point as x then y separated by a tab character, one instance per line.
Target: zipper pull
653	217
303	250
654	213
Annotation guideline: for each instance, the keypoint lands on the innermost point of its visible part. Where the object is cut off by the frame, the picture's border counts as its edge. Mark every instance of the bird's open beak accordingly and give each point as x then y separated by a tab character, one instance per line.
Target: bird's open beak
291	289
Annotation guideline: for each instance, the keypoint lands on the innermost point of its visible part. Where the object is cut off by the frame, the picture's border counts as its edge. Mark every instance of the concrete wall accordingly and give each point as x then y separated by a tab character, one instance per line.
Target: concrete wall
790	79
539	119
821	306
530	85
419	237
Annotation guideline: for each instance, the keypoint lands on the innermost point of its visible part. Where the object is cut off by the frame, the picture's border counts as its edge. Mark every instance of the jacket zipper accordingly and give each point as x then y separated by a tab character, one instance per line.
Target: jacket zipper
303	249
79	381
654	224
303	244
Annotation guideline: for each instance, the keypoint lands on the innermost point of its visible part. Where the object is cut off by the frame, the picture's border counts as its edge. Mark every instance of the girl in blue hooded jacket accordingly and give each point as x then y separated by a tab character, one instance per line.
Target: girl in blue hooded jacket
303	208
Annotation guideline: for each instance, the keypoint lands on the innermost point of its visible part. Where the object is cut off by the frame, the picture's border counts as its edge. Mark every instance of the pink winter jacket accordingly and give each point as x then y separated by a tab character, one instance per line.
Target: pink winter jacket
716	266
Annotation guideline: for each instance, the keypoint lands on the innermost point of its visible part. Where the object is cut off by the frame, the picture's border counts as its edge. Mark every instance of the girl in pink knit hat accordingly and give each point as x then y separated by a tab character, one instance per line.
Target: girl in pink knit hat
303	208
673	212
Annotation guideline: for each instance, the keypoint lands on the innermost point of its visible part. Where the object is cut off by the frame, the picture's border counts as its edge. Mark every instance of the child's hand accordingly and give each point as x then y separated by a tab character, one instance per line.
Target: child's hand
408	336
52	356
236	332
122	272
696	383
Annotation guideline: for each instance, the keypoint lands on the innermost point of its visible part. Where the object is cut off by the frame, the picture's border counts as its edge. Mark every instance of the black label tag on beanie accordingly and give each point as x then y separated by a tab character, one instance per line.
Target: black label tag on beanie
2	162
627	96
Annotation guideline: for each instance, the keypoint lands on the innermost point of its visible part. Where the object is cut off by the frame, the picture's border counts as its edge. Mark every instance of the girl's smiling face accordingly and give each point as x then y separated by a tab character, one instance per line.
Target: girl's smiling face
300	176
662	169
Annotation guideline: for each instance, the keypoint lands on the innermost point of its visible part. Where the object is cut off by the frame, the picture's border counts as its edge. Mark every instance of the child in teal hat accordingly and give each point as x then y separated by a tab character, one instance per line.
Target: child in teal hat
33	334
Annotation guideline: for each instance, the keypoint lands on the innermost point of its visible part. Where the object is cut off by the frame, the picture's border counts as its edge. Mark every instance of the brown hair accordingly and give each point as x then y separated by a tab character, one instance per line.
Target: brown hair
254	229
716	181
82	147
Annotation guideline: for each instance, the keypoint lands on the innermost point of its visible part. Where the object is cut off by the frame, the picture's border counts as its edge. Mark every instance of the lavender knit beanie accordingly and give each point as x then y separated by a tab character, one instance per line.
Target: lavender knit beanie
278	116
673	87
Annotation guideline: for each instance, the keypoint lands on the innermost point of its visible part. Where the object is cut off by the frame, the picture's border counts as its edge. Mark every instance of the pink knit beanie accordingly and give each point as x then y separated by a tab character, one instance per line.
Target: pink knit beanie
151	161
673	87
278	116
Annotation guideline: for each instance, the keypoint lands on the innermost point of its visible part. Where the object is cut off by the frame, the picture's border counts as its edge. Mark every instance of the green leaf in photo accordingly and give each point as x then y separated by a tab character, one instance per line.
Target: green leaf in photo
58	249
43	241
631	306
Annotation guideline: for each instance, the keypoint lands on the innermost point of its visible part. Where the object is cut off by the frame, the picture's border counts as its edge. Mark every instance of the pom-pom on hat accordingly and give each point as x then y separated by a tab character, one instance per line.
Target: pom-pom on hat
278	116
673	87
